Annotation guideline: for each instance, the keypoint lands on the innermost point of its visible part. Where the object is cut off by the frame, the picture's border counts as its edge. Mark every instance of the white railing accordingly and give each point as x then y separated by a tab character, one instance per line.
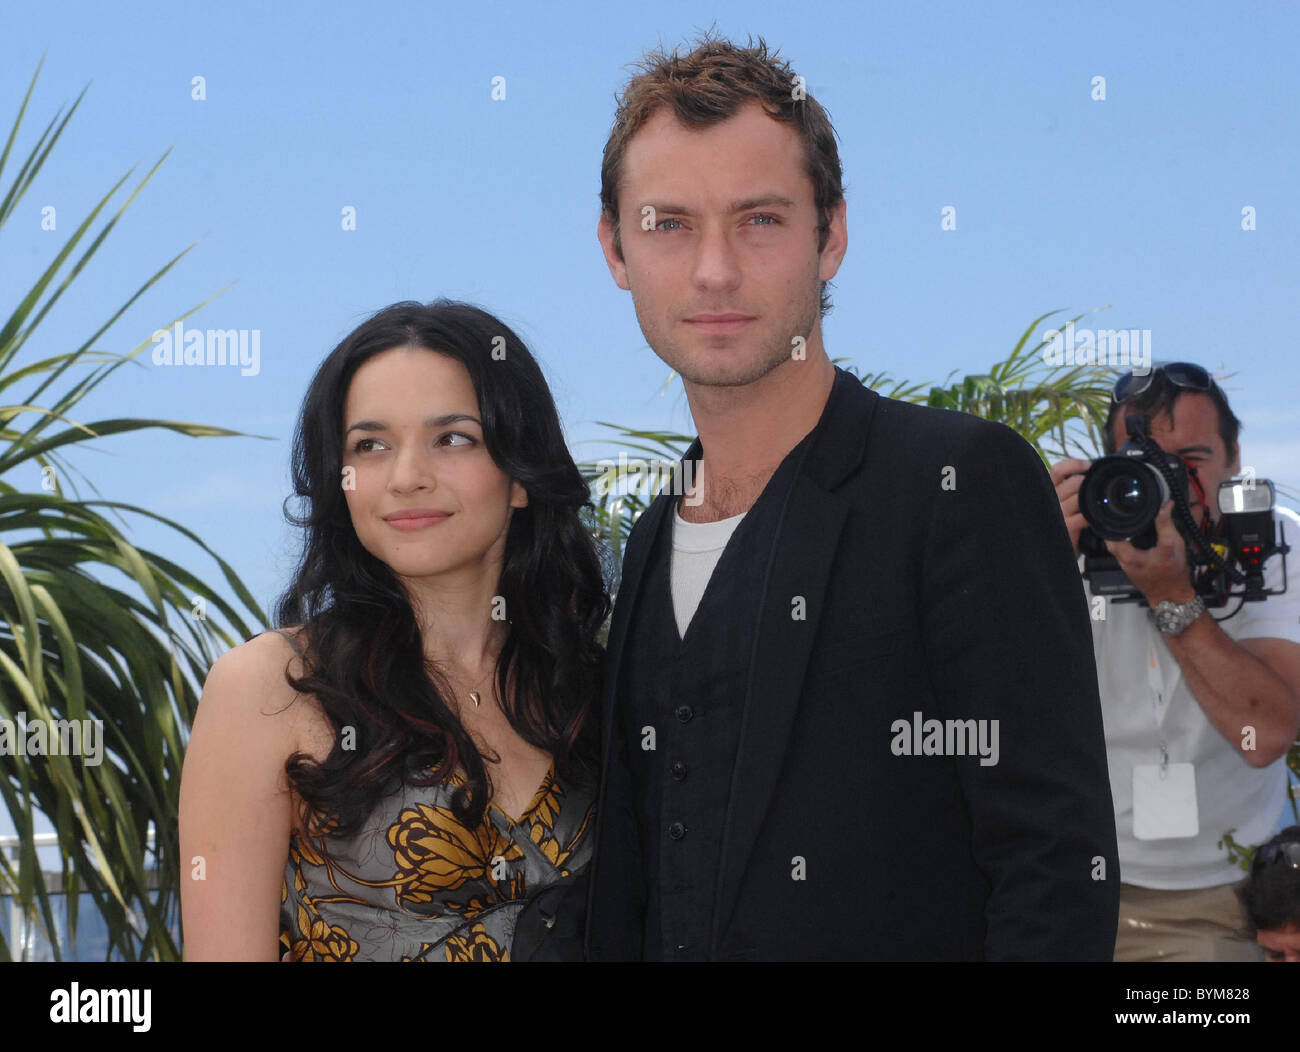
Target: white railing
21	934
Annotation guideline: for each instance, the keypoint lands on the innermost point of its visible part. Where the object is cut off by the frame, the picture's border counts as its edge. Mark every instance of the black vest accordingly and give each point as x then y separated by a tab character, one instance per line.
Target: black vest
686	698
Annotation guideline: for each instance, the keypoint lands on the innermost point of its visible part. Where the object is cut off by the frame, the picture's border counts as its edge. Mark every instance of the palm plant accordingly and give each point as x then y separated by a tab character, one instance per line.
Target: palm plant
73	647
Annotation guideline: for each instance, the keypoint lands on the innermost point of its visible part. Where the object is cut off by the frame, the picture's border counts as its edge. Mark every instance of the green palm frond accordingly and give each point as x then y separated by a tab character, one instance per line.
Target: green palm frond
74	646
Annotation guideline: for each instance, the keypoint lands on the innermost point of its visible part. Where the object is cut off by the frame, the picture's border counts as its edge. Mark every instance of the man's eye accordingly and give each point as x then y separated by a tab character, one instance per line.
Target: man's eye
771	220
663	224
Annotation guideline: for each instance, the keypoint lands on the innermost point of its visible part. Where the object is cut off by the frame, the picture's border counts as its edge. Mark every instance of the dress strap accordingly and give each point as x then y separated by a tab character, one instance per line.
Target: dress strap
292	642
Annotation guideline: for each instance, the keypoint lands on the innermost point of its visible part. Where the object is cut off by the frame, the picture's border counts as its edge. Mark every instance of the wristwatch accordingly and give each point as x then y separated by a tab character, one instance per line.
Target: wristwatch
1174	618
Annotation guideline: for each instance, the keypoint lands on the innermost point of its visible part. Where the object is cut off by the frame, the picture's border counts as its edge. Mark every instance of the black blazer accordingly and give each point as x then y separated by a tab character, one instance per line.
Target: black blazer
938	578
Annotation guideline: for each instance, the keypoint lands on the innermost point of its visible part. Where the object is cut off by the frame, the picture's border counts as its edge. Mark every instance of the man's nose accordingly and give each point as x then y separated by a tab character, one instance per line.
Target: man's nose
716	262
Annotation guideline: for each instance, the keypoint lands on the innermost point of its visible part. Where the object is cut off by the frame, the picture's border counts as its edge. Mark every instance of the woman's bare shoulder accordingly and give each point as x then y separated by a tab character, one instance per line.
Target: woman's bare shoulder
266	657
253	678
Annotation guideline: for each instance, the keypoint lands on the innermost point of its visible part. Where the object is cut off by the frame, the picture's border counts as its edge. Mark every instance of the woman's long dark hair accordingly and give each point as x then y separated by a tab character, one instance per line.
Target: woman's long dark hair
365	655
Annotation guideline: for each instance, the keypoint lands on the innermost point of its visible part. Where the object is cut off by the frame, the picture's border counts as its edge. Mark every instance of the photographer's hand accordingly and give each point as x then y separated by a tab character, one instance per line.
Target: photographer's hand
1249	689
1067	476
1161	572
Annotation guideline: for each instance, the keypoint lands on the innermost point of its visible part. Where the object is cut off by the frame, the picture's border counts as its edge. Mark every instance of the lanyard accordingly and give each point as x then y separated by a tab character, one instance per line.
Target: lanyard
1160	695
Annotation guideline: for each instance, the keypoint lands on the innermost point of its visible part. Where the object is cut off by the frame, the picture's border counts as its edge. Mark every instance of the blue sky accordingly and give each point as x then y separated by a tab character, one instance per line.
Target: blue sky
1062	202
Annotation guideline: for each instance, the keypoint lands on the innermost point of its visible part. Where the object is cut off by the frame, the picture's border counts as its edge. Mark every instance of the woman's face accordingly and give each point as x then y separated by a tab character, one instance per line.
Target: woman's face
413	442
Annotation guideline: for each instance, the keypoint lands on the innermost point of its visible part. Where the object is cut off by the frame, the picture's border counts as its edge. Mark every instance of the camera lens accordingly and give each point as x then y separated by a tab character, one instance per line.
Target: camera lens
1121	496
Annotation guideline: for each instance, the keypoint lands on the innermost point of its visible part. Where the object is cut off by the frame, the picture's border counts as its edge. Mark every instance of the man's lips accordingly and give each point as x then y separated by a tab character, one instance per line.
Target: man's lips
719	323
416	518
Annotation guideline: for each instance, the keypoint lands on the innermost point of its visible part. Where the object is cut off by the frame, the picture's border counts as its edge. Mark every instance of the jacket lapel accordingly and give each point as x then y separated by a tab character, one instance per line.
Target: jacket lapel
800	564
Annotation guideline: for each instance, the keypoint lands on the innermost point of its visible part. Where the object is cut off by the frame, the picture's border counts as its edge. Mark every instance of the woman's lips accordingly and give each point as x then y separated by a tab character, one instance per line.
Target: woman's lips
417	522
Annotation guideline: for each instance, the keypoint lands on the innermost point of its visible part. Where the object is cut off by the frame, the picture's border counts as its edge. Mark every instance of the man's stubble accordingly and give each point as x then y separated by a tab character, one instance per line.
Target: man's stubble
733	367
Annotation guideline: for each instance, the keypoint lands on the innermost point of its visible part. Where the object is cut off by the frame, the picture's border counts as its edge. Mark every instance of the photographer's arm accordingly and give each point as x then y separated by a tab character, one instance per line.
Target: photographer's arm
1251	684
1254	683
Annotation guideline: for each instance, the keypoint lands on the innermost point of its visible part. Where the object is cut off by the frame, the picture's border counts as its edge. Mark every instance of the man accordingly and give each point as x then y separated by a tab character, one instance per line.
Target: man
1270	899
1194	704
850	704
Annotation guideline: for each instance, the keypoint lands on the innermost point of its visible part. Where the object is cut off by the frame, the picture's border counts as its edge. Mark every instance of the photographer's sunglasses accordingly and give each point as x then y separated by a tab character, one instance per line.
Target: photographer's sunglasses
1271	854
1180	374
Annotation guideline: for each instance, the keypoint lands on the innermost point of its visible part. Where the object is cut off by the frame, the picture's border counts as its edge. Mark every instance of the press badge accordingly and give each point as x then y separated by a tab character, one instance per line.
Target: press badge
1164	801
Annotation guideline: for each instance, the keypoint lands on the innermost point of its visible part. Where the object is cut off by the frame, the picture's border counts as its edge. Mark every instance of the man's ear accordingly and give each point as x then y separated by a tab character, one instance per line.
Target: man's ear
837	243
617	268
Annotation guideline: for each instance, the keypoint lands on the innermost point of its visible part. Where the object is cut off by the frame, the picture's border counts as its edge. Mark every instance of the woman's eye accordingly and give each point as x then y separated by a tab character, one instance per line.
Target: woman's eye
363	445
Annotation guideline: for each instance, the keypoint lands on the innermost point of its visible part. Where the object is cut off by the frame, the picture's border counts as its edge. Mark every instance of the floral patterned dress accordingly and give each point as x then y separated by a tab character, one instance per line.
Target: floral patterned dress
416	885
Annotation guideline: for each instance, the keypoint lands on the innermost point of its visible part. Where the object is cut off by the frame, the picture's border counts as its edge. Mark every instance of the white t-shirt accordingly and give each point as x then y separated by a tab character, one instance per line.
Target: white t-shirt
697	547
1145	699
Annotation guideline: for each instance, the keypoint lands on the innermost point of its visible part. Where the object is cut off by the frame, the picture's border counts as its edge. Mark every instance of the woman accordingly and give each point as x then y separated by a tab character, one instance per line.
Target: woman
410	772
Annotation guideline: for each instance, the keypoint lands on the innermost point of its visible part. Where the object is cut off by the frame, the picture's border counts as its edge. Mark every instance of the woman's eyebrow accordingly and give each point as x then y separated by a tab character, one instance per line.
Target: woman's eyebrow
433	421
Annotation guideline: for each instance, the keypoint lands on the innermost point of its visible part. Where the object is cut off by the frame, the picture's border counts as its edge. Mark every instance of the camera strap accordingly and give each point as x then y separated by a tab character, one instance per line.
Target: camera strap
1187	526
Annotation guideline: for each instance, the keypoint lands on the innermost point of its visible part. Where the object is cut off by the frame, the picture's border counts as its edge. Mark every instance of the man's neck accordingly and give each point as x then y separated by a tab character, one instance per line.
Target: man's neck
745	432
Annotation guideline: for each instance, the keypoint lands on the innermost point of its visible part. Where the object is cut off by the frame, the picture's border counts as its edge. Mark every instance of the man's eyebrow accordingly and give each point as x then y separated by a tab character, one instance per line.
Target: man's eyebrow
433	421
743	205
763	201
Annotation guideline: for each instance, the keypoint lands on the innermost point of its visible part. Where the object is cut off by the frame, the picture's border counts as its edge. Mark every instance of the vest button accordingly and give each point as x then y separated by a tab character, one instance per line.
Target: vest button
677	831
678	770
684	713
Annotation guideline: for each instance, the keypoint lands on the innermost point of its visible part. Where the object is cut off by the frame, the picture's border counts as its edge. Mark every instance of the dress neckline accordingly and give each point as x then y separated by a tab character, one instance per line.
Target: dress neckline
536	801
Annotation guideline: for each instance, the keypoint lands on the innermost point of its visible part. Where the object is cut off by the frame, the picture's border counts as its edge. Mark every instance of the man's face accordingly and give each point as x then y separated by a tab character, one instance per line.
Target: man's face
1193	434
728	277
1280	944
413	442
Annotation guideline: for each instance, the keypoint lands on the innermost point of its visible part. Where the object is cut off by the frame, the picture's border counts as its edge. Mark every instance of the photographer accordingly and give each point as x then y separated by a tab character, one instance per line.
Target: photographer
1198	713
1271	897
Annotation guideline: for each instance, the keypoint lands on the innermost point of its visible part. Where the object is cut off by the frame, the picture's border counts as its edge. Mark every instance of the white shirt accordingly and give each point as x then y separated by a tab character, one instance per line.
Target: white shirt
1145	700
697	547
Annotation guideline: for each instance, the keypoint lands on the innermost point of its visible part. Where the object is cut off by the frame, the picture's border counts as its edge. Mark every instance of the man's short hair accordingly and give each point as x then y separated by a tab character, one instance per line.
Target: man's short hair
708	86
1158	400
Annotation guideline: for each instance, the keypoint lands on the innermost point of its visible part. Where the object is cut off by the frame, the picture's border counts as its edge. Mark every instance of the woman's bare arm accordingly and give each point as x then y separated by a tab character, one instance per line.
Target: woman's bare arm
235	806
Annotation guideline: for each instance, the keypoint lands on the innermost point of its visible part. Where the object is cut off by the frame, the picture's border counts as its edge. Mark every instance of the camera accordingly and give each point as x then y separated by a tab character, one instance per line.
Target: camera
1121	495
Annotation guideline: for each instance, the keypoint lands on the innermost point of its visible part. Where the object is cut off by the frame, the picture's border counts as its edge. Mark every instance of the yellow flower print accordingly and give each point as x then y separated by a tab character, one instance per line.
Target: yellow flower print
433	852
322	942
478	945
